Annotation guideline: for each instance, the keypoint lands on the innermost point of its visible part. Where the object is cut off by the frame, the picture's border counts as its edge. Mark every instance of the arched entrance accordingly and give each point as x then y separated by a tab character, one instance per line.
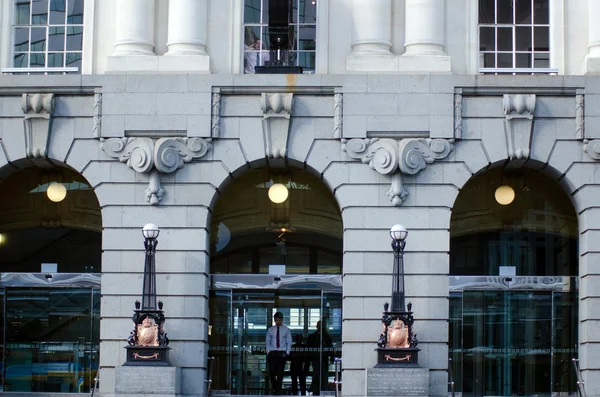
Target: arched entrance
269	256
50	255
513	286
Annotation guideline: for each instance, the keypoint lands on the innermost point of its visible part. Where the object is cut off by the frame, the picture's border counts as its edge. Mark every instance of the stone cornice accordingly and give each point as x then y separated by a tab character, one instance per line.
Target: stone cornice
155	156
396	157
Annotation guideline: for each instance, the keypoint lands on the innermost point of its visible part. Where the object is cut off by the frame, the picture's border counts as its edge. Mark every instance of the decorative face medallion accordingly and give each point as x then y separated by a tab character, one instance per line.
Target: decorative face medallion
147	333
398	334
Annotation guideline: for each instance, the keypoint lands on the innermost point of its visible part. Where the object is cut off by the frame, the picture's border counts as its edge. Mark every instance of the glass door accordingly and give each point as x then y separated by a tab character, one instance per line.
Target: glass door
239	320
505	343
51	339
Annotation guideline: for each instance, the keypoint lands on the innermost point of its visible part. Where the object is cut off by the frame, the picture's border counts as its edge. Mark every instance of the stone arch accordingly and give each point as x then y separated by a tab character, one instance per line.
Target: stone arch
36	229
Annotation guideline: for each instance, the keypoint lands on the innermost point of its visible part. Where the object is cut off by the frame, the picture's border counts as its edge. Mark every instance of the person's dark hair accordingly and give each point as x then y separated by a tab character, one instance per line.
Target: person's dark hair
278	315
299	338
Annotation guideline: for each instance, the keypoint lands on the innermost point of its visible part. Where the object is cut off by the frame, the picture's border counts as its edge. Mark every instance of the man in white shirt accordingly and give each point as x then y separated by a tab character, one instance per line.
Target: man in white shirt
279	346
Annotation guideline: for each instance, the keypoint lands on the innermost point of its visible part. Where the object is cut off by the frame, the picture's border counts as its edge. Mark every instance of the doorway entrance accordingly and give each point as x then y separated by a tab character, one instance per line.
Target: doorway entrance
241	311
513	336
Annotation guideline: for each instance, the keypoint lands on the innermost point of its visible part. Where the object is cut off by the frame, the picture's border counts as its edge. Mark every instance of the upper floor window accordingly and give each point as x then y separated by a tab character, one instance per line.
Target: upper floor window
48	34
514	36
300	25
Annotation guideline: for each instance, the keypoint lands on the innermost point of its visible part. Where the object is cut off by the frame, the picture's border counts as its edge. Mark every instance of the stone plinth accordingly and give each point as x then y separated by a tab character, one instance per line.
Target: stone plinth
164	381
406	381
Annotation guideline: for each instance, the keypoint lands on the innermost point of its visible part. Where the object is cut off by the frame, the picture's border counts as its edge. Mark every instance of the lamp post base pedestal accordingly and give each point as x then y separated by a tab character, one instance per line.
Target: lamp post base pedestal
147	355
397	357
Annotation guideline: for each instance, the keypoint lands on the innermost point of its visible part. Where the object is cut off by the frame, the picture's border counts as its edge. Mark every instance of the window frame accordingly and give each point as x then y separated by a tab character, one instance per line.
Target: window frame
556	9
7	29
321	39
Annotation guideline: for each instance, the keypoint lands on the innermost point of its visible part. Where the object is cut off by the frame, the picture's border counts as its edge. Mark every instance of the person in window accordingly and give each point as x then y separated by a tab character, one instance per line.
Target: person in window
252	52
319	343
298	366
279	346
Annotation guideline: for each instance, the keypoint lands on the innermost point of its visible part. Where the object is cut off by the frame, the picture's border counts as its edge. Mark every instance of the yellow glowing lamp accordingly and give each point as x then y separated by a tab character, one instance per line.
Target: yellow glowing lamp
504	195
278	193
56	192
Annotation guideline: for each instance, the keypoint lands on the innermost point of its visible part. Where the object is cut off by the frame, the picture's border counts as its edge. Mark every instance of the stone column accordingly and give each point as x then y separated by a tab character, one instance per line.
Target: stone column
425	37
134	37
591	63
188	20
135	27
372	37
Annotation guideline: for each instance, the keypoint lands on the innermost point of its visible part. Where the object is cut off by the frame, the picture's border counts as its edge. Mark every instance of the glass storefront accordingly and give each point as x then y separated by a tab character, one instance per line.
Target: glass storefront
513	327
50	332
240	317
513	336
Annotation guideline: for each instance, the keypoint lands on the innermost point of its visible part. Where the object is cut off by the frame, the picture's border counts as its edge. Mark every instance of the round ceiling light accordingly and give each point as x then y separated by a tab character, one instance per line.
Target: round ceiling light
56	192
504	195
278	193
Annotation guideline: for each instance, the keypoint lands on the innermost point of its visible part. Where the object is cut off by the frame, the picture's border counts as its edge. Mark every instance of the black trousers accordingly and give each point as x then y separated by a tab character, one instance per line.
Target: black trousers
276	361
298	373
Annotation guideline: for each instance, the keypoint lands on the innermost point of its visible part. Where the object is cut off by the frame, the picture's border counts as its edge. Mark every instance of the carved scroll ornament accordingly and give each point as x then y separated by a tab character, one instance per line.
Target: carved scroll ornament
164	155
518	124
277	110
397	157
37	110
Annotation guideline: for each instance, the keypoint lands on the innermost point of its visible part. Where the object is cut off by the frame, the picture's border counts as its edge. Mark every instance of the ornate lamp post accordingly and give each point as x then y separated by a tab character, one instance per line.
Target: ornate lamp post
148	340
397	342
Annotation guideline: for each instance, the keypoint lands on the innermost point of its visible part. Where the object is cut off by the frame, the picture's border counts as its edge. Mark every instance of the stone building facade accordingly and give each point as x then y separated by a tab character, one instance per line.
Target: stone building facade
397	123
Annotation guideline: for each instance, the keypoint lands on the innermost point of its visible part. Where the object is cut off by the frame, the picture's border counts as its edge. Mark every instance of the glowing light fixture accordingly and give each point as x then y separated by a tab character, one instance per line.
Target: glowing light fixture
398	233
278	193
504	195
56	192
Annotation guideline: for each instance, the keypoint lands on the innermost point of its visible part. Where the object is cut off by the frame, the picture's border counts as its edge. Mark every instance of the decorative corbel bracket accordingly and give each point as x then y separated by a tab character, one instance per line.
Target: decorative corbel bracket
37	123
396	157
518	123
277	110
155	156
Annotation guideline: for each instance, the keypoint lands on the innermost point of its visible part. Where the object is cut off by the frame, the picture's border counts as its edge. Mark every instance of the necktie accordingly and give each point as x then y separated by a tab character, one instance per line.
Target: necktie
277	337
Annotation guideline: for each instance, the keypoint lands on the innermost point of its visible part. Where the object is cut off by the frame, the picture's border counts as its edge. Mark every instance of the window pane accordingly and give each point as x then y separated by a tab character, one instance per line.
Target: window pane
523	38
38	39
265	11
308	11
523	60
505	60
251	38
74	59
21	39
21	60
489	60
39	12
541	38
56	38
541	60
57	12
307	37
37	60
486	11
306	60
523	12
74	38
22	12
252	11
540	12
505	11
487	39
55	59
294	13
75	12
505	39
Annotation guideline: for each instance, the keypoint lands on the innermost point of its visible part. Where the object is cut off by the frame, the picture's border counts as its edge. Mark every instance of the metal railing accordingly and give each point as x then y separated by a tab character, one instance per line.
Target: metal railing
210	365
95	387
580	382
337	381
450	377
